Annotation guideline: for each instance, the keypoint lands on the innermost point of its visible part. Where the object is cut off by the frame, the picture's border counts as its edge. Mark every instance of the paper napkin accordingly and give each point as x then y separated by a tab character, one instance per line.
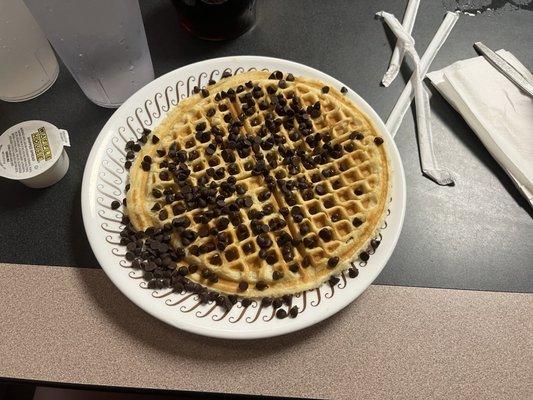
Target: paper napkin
498	112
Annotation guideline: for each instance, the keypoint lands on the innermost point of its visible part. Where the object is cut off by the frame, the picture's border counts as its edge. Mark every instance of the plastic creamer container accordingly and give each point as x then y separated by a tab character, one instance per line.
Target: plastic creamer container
33	153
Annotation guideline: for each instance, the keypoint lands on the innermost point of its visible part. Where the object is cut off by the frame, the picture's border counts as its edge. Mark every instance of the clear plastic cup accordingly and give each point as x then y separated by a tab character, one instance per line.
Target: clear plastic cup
28	66
102	43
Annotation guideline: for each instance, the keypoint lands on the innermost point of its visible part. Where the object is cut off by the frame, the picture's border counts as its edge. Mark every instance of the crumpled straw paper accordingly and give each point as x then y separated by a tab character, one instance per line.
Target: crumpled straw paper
399	52
402	105
428	160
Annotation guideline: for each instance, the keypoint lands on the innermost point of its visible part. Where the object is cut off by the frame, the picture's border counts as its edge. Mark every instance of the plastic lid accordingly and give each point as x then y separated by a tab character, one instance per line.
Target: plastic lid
32	152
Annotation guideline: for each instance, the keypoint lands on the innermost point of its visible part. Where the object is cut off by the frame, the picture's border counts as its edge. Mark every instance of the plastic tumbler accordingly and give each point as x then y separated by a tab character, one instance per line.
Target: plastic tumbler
101	42
28	66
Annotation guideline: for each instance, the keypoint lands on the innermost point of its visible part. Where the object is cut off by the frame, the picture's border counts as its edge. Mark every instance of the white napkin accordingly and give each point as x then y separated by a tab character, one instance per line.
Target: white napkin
497	111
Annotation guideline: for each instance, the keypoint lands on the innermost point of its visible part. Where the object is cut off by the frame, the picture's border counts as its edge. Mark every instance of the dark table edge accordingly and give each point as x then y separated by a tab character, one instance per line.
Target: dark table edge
128	389
373	283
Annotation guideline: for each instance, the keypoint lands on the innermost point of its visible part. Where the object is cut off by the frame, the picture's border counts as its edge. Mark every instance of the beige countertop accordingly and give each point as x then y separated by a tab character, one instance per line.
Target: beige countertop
72	325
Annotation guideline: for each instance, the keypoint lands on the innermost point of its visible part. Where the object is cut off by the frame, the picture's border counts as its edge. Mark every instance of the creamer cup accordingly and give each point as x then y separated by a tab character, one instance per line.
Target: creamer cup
33	153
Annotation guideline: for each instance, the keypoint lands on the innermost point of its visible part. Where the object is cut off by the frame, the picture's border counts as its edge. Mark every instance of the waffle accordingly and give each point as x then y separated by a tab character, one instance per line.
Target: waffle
266	184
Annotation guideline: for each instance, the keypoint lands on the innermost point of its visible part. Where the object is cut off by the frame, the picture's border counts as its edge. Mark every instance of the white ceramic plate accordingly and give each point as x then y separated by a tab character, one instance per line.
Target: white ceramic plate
104	181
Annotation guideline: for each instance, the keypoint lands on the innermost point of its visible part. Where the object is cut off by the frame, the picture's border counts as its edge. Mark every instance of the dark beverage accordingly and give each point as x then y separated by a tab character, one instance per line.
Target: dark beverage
216	19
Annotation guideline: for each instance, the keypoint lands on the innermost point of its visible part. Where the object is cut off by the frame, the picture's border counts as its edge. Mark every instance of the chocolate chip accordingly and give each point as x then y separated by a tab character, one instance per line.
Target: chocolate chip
248	248
310	242
194	250
183	271
268	209
261	285
266	302
378	141
364	256
193	155
320	190
145	166
182	222
375	243
156	193
325	234
293	312
290	77
333	261
308	194
263	196
357	222
314	113
336	217
200	127
178	209
163	214
211	149
264	241
248	201
353	272
281	313
349	147
155	139
222	223
294	268
243	286
333	280
358	191
205	92
242	232
115	204
344	90
282	84
277	275
325	89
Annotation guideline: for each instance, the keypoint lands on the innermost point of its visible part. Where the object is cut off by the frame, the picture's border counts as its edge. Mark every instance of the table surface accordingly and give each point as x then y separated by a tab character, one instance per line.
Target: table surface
475	345
475	235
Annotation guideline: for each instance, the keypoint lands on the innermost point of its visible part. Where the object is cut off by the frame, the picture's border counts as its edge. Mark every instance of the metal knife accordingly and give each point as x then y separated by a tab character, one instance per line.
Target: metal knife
505	68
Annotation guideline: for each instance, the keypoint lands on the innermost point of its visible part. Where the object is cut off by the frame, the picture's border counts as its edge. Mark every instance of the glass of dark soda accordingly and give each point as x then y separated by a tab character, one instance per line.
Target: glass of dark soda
216	19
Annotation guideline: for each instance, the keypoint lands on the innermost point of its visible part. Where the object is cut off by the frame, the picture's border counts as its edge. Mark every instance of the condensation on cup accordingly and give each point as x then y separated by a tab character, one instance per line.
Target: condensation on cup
101	42
28	66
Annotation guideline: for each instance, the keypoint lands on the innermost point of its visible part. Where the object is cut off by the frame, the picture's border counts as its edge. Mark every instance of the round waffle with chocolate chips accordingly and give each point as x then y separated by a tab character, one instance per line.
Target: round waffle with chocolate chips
262	184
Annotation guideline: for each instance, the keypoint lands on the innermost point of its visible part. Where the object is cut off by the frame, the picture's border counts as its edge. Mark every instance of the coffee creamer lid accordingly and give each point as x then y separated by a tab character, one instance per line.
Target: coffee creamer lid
29	149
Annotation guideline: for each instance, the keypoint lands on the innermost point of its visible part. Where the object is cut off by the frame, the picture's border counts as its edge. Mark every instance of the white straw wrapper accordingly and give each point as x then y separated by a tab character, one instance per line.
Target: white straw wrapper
423	113
399	52
402	105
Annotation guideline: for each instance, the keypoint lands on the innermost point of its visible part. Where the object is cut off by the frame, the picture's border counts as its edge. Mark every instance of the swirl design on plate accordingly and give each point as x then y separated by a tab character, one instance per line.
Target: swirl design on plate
113	174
